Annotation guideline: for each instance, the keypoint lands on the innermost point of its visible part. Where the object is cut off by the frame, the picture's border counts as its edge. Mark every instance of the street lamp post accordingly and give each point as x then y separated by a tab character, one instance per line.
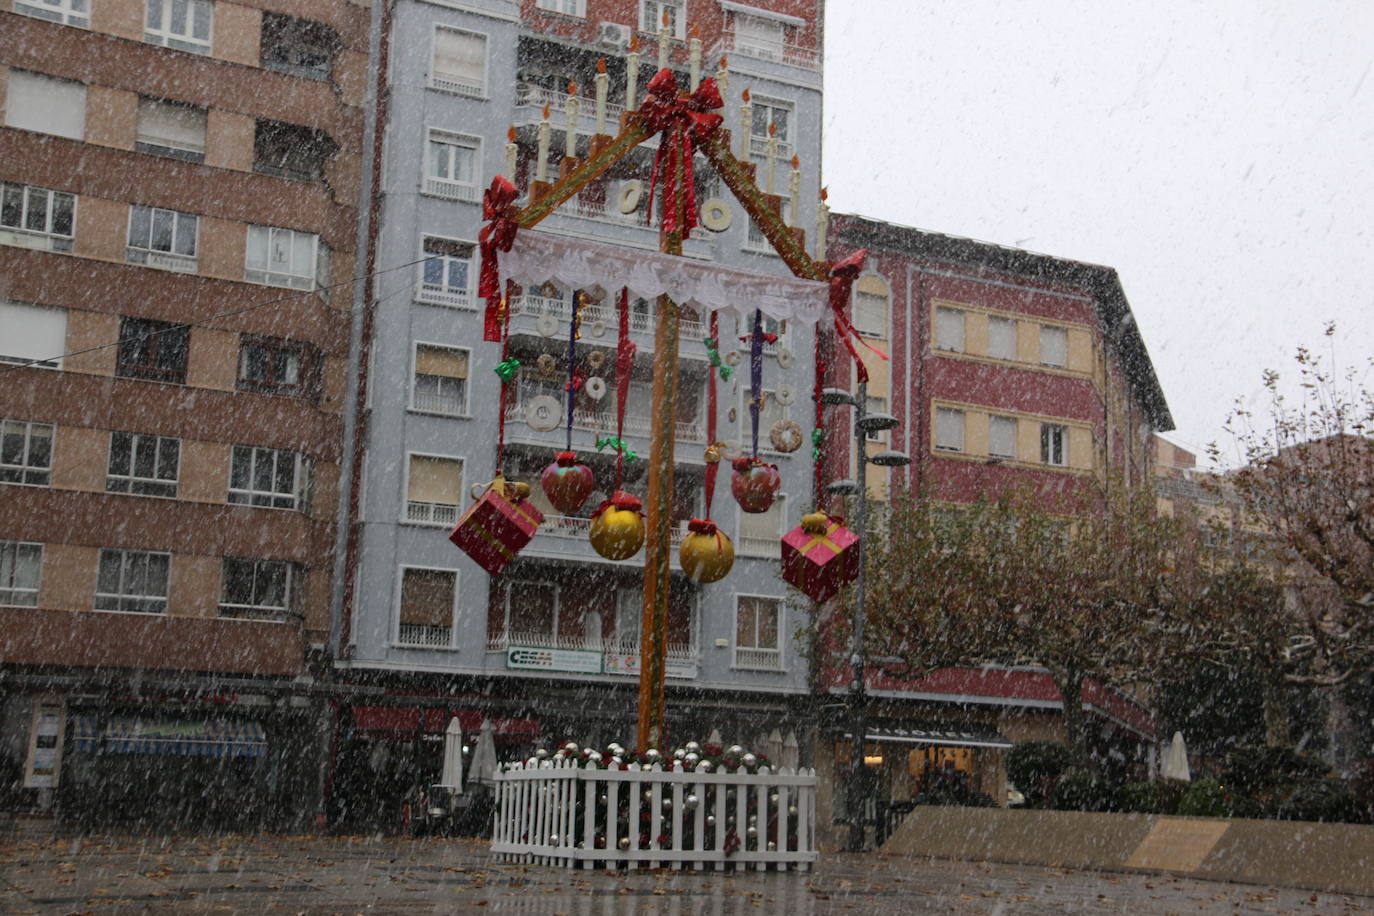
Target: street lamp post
864	423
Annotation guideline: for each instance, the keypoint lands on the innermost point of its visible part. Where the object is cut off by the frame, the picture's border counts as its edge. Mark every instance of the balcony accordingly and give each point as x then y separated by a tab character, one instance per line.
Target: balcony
452	190
530	96
758	659
565	537
616	658
602	322
420	513
747	546
597	422
757	47
424	637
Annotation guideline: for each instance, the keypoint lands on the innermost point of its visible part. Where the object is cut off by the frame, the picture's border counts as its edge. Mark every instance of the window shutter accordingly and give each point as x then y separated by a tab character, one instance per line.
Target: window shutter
172	126
427	597
441	361
764	526
460	54
33	332
46	104
435	480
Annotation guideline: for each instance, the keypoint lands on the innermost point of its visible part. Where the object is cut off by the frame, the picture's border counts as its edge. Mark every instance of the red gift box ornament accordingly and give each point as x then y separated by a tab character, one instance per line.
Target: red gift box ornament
567	483
820	555
498	525
754	484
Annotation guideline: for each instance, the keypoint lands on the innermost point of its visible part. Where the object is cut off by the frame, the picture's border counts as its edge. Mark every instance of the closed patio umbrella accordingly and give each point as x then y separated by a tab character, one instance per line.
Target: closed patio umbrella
453	756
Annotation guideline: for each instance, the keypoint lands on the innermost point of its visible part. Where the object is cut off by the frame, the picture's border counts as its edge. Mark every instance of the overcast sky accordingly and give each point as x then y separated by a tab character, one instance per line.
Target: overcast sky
1219	155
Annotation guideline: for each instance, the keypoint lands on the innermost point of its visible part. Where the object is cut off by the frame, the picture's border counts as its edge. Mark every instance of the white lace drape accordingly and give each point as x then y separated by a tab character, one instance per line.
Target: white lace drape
538	258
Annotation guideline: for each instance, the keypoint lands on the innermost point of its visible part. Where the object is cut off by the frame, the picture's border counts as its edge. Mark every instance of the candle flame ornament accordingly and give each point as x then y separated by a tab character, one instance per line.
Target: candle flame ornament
567	483
754	484
707	553
617	529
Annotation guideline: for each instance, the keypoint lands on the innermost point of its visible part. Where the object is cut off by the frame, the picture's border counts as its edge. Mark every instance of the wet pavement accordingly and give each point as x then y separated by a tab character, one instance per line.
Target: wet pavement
346	875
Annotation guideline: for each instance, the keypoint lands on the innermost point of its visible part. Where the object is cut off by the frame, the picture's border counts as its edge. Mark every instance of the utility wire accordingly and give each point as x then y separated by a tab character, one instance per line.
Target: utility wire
204	322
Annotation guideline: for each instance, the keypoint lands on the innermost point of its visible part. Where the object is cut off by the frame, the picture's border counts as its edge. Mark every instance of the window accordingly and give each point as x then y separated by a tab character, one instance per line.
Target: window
445	275
273	477
155	350
1054	444
257	589
132	580
426	610
756	633
760	532
434	488
949	330
532	613
566	7
46	104
1002	338
452	166
460	62
33	217
34	335
763	113
284	257
162	238
870	314
1002	437
1054	347
171	129
949	429
180	24
441	380
653	12
290	150
276	366
66	12
143	465
756	36
20	567
300	47
25	452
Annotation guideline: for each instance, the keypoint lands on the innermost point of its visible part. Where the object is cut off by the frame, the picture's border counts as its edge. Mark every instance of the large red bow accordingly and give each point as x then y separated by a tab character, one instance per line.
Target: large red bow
842	277
683	122
497	235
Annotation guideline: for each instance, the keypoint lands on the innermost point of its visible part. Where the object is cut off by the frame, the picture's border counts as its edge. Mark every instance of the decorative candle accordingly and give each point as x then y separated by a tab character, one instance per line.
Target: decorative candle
822	224
570	144
665	34
723	76
632	75
746	125
694	59
770	152
795	188
511	151
541	165
602	84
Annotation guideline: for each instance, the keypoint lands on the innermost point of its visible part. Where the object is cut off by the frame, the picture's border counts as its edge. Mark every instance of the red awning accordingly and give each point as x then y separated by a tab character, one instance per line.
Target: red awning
414	719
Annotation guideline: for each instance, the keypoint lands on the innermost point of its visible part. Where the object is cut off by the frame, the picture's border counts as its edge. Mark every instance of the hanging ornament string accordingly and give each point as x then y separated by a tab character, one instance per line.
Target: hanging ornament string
818	431
755	380
624	363
713	466
574	375
506	371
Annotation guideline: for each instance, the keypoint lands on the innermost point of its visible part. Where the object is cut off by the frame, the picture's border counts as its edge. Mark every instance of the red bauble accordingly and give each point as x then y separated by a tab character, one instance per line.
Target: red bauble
754	484
566	483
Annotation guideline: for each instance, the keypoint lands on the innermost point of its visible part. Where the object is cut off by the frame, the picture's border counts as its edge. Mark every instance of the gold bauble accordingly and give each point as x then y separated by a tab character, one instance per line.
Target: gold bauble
706	557
815	522
617	534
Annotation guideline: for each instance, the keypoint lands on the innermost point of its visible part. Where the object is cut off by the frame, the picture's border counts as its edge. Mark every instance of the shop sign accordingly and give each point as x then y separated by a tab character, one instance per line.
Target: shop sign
44	763
573	660
628	663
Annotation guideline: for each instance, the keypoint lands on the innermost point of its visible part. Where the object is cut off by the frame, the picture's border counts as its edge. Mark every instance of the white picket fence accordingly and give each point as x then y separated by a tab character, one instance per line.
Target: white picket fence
538	819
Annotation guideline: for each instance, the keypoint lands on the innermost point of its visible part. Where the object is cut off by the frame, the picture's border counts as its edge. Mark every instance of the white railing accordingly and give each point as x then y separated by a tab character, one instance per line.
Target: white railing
431	513
559	813
452	190
574	528
437	403
444	295
780	51
462	85
528	95
415	634
747	546
758	659
604	422
641	321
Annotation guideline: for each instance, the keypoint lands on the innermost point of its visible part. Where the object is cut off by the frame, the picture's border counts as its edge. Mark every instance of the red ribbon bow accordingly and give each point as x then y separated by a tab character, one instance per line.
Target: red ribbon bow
579	378
842	277
497	235
684	121
627	502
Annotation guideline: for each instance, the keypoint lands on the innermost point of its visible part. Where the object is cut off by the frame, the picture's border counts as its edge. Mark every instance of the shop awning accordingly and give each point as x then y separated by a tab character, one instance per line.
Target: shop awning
210	738
959	736
415	719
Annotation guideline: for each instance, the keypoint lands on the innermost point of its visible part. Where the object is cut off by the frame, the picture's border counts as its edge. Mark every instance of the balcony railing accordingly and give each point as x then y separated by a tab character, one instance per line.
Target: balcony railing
764	49
603	421
641	321
446	295
415	634
759	659
458	83
748	546
528	95
431	513
452	190
437	403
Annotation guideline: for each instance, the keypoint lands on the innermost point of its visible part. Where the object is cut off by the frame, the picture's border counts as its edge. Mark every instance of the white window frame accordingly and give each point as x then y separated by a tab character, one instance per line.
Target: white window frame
28	474
576	8
134	484
13	588
297	499
464	408
629	627
124	600
757	658
942	334
651	17
1060	334
552	639
450	188
289	279
32	198
993	420
165	259
758	142
772	48
942	442
745	547
1011	356
34	336
76	13
443	293
397	638
162	33
257	611
432	515
754	239
455	83
1049	433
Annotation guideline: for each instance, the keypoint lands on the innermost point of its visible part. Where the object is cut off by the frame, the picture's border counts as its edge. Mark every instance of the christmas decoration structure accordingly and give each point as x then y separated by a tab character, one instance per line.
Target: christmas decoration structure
754	484
617	529
820	555
567	483
497	525
707	553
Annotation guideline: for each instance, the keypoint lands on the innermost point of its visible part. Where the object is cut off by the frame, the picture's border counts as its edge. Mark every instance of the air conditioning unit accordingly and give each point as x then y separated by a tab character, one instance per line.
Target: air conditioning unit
613	35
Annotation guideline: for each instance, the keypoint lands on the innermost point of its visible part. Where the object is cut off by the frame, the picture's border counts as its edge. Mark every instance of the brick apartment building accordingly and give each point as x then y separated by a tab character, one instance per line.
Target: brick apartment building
177	238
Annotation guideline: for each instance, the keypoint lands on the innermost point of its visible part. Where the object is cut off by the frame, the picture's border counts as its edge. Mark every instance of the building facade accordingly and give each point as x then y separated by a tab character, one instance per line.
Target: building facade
550	648
177	237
